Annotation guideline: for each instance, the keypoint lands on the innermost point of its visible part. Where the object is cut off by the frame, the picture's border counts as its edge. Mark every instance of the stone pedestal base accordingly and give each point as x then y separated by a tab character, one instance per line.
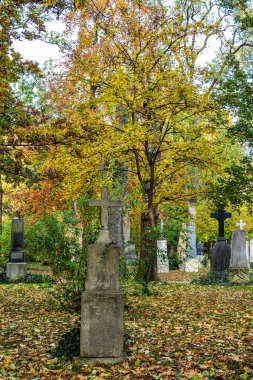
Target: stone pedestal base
102	333
191	265
239	275
14	271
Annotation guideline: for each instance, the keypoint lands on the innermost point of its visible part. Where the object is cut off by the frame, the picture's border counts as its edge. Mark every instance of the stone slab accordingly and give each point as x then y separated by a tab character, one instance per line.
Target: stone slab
103	268
14	271
251	251
191	250
130	252
101	326
239	257
191	265
162	258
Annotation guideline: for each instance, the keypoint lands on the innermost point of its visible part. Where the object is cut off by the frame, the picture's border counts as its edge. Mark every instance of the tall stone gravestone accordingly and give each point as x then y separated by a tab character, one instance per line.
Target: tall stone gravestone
162	254
191	229
17	267
251	251
129	245
191	263
221	252
101	339
239	263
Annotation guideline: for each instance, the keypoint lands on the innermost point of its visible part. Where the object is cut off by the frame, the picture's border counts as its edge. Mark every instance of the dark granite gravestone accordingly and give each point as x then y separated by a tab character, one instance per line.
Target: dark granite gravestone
17	241
16	268
221	251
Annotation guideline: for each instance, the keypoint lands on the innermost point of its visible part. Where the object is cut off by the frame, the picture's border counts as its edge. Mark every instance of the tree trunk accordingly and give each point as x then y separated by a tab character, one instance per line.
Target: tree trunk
1	207
147	269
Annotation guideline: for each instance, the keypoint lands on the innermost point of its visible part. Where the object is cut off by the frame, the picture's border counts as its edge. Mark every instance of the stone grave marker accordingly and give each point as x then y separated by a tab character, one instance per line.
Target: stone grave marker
129	244
221	252
17	267
191	262
251	251
162	253
191	232
101	339
162	257
248	249
239	263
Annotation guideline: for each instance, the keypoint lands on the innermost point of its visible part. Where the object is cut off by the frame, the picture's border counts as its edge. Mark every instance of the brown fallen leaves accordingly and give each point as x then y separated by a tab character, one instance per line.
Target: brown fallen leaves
184	331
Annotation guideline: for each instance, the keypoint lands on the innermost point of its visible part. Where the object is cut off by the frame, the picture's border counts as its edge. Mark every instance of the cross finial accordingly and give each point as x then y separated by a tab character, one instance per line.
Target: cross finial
221	216
104	203
241	224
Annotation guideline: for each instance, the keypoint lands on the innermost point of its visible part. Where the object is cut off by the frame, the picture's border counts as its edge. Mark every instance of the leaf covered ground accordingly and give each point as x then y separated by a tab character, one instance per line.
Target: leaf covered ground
180	331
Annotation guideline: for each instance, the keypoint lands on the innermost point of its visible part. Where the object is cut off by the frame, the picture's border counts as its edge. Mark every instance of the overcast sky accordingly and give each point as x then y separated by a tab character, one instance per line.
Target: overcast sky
38	50
41	51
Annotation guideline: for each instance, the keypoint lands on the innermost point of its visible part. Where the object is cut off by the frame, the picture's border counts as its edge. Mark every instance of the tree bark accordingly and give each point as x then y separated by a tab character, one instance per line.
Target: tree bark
147	269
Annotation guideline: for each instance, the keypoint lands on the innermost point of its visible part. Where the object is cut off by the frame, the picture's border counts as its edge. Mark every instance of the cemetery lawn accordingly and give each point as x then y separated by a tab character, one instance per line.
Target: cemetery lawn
180	331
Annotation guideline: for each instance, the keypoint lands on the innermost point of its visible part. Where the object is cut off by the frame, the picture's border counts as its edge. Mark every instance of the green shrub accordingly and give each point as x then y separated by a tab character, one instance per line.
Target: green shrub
5	243
174	260
204	262
212	278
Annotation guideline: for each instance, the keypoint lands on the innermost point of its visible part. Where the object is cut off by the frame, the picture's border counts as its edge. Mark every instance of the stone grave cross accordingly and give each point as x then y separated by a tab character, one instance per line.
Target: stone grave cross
221	216
104	203
241	224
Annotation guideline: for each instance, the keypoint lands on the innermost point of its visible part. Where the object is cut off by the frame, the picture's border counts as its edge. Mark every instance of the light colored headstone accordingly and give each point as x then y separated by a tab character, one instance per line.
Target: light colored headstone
239	264
129	245
191	232
190	265
101	339
251	251
248	249
162	257
131	256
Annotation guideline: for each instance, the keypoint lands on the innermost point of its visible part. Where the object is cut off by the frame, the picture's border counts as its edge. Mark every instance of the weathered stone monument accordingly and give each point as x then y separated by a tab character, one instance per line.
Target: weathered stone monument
239	263
191	263
221	252
162	253
17	267
129	244
251	251
191	231
101	339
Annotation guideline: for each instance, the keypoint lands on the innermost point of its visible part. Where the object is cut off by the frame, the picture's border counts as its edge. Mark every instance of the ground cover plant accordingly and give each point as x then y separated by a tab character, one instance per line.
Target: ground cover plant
179	331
